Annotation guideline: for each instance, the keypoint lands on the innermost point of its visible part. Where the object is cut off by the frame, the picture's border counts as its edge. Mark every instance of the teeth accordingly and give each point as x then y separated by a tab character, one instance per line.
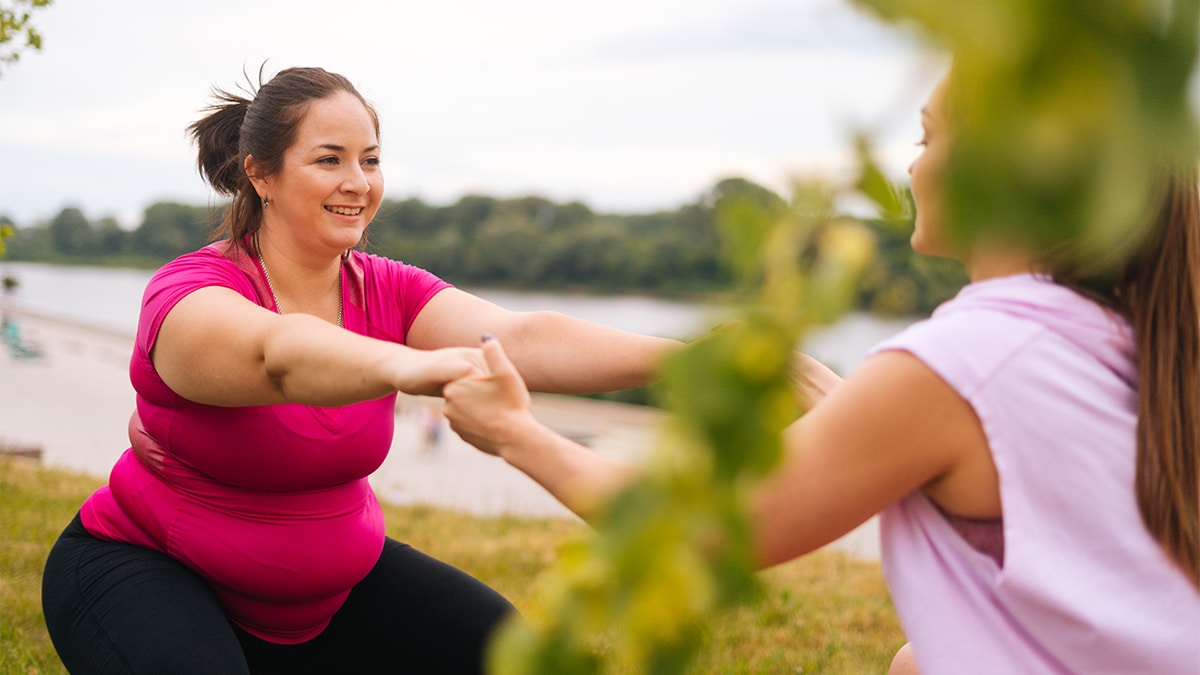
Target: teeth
344	211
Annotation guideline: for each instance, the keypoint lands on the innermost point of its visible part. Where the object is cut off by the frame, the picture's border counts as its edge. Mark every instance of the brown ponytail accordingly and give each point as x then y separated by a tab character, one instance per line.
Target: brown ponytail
219	157
217	136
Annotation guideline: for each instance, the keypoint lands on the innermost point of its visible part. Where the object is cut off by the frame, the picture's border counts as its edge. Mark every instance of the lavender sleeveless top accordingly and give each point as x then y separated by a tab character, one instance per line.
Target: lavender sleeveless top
1081	587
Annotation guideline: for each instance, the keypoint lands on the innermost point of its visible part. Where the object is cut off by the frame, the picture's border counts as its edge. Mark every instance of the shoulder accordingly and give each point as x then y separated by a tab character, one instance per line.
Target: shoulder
973	336
392	293
395	277
211	265
383	266
964	348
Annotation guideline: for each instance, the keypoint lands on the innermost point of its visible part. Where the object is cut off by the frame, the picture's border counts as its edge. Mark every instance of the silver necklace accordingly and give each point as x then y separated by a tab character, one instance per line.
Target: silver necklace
271	287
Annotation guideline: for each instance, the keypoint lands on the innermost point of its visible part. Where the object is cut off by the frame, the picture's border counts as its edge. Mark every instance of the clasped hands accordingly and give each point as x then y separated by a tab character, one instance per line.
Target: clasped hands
492	409
487	409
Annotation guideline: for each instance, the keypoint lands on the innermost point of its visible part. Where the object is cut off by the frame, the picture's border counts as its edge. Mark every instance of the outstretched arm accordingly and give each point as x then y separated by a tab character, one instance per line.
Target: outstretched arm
552	351
891	428
217	348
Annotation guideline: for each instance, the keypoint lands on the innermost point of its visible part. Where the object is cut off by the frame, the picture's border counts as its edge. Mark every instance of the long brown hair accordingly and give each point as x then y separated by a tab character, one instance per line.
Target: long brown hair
1158	290
1159	295
1153	279
263	125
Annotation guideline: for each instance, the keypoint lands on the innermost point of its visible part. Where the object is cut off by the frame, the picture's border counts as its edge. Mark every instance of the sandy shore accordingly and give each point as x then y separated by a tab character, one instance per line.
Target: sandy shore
73	403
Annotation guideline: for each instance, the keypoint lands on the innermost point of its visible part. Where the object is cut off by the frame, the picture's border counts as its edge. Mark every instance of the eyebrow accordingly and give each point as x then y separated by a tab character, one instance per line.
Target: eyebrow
338	148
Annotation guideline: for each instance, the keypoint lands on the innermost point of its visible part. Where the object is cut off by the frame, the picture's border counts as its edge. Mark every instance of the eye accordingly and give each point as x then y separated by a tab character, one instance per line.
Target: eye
331	160
371	161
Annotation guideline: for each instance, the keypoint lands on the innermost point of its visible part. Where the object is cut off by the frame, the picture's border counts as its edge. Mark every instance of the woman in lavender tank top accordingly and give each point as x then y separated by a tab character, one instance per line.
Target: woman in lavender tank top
1032	449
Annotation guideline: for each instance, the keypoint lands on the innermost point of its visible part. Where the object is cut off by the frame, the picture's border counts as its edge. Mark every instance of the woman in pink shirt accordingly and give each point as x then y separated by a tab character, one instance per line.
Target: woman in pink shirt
239	532
1033	449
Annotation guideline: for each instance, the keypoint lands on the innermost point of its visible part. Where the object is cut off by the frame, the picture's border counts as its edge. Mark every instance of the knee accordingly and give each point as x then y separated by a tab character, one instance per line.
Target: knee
903	663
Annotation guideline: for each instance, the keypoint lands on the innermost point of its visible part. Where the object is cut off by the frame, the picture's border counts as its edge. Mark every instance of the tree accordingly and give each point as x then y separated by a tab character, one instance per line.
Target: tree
16	28
169	229
70	232
471	211
110	238
505	248
595	253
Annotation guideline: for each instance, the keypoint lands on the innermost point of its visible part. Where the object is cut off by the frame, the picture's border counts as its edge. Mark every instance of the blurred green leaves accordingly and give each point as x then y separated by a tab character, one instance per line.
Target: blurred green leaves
675	547
15	25
1064	114
6	231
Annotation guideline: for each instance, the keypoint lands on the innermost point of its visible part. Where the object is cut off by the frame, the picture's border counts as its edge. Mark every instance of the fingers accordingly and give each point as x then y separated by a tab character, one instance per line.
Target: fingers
813	379
495	356
480	405
427	372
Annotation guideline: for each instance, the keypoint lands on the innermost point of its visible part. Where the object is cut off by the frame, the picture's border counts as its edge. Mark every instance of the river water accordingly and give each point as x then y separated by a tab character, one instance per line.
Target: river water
109	299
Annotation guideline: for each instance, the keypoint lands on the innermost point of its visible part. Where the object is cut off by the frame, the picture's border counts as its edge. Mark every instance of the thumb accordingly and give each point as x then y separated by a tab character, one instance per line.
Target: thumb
493	354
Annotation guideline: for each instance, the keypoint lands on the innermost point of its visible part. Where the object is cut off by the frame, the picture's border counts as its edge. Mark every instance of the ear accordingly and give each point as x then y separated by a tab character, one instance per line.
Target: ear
254	173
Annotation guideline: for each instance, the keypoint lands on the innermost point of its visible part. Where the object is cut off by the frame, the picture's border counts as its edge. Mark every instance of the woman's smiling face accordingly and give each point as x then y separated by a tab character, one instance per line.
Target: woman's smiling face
330	184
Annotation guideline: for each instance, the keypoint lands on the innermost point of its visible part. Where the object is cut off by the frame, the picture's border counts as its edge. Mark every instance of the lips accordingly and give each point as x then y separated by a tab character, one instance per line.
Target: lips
345	210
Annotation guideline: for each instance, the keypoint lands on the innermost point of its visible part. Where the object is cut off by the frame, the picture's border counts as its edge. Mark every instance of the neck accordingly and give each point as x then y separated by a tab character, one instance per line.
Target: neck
999	261
299	288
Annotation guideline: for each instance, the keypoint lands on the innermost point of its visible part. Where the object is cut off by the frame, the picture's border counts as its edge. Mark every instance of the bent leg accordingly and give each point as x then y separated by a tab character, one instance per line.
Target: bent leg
411	614
118	608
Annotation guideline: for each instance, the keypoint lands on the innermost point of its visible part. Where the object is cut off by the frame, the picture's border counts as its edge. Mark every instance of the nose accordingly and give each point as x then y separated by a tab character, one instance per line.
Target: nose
355	181
910	166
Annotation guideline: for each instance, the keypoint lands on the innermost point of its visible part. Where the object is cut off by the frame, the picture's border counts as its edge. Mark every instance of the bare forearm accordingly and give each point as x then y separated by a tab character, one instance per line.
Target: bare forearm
574	475
312	362
562	354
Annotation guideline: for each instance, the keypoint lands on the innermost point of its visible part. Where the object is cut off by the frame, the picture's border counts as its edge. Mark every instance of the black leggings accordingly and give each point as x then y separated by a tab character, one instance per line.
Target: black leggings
118	608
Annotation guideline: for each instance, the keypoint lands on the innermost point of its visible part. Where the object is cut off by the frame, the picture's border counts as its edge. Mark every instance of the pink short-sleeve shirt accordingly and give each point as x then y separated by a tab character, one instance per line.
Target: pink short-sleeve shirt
270	504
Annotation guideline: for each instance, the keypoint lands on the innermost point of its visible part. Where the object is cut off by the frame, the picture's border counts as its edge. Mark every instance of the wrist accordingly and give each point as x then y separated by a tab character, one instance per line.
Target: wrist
519	438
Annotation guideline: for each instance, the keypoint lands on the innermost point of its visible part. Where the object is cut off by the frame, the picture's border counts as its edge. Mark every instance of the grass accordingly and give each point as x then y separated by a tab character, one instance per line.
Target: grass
825	613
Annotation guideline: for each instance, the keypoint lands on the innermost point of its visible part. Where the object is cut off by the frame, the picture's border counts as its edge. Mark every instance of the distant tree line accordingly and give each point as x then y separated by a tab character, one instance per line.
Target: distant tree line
527	242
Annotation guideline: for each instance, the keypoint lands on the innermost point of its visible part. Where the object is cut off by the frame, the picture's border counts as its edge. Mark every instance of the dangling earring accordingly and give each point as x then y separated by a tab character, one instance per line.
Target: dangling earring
266	201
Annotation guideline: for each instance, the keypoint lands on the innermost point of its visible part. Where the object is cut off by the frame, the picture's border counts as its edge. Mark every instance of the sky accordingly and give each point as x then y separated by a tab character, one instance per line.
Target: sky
626	105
